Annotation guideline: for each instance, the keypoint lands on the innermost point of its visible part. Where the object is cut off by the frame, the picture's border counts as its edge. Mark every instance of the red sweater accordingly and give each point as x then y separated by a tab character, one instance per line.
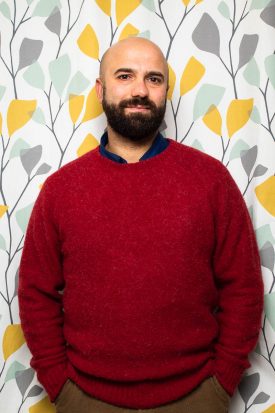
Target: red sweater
160	272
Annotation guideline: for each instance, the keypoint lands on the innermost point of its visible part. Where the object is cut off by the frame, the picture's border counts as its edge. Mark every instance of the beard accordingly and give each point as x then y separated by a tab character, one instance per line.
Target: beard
134	126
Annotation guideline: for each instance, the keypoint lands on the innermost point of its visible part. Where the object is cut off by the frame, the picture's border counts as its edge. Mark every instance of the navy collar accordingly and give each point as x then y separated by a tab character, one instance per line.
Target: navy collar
159	144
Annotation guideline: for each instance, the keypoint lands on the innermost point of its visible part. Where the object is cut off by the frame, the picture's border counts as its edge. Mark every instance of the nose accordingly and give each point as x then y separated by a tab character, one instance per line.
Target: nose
139	88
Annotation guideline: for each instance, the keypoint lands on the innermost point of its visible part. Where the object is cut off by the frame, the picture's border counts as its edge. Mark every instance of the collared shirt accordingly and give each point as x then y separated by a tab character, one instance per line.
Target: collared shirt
159	144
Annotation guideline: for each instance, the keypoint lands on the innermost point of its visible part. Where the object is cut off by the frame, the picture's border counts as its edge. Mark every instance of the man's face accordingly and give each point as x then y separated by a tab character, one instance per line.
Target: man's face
133	90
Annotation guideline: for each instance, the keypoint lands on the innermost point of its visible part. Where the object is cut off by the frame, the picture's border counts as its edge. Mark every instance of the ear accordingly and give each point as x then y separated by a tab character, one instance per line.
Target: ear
99	89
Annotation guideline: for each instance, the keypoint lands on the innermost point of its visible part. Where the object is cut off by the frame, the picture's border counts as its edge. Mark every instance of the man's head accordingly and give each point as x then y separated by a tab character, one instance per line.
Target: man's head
132	87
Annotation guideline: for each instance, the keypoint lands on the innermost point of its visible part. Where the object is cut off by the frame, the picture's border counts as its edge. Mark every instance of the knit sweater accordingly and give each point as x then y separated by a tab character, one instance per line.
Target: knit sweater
140	280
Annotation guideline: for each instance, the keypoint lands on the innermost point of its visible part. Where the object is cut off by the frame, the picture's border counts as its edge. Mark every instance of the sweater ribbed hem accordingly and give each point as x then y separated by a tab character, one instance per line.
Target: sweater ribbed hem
229	375
53	379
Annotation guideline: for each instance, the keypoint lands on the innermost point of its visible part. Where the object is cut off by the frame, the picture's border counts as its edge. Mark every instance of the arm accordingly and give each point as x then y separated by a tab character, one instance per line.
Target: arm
238	277
40	300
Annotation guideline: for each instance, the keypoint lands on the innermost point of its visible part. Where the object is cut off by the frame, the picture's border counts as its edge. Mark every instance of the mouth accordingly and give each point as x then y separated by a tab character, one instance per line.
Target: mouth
137	108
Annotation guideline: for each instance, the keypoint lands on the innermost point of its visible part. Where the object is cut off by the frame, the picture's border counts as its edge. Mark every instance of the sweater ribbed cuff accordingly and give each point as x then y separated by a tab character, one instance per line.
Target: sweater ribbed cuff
229	375
53	379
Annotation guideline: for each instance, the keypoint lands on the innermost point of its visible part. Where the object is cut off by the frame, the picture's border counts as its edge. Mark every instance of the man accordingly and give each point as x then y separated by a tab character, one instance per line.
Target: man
140	284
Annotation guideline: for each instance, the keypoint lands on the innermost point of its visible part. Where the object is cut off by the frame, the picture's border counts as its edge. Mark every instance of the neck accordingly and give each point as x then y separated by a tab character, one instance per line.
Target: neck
126	148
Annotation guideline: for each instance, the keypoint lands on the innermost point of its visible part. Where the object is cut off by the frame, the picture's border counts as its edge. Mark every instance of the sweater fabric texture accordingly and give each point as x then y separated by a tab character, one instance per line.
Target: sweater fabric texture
140	280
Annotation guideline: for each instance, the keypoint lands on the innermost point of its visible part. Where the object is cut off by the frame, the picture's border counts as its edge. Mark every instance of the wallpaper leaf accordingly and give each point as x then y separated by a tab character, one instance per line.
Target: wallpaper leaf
186	2
93	106
247	48
267	256
206	35
129	30
2	91
43	406
149	4
53	22
224	9
1	123
30	158
89	143
29	52
105	6
172	82
3	210
213	120
248	159
269	308
265	193
76	103
252	73
60	70
123	9
13	339
3	245
248	386
19	113
24	379
13	369
238	114
271	409
259	171
259	4
239	146
77	84
16	281
192	74
261	398
22	217
34	76
43	169
270	68
38	116
88	42
264	234
207	96
5	10
268	15
44	8
35	391
255	115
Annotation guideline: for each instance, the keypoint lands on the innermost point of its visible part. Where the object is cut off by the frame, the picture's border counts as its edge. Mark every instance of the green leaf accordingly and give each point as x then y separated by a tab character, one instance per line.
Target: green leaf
255	115
5	10
207	95
18	146
45	7
149	4
145	35
3	245
224	10
2	91
34	76
270	68
197	145
252	73
13	369
77	84
38	116
29	2
259	4
237	148
22	217
269	308
263	235
60	70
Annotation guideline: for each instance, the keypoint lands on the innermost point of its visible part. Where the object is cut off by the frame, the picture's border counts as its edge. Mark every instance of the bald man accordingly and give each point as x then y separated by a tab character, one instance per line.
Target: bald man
140	286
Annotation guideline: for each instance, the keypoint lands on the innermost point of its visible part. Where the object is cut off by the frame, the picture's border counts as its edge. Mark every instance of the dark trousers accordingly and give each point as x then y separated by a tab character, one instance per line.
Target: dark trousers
208	397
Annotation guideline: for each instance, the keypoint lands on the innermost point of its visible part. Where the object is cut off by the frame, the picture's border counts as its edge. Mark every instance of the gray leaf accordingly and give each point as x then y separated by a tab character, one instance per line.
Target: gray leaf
267	256
15	284
30	158
248	159
29	52
53	22
247	48
43	169
248	386
35	391
24	379
206	35
259	171
268	15
261	398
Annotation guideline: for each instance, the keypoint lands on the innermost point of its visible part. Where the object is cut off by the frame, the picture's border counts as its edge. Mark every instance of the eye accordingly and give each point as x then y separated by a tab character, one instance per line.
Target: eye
124	76
155	79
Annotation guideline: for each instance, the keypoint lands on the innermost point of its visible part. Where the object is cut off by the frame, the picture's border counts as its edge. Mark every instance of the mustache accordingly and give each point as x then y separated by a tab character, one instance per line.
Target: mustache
136	102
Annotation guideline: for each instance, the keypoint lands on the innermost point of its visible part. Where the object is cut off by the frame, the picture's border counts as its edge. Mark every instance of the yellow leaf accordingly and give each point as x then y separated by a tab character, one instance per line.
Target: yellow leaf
238	114
172	81
265	193
198	1
124	8
89	143
0	124
75	106
13	339
186	2
3	209
191	75
128	31
88	43
105	6
213	120
93	106
19	113
43	406
271	409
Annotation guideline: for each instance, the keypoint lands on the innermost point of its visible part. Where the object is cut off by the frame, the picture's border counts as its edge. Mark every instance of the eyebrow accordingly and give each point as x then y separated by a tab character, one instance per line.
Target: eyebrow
128	70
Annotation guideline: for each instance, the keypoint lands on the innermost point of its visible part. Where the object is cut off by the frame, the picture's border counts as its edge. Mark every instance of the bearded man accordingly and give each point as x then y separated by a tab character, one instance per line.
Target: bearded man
140	284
